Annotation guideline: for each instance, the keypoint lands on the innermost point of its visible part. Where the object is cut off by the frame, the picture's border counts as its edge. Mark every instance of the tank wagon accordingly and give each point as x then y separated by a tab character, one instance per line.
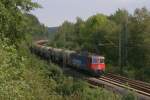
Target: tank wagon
94	64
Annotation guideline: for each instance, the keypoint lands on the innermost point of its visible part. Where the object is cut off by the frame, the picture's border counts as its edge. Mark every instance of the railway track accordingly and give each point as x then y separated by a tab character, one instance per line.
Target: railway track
144	88
122	85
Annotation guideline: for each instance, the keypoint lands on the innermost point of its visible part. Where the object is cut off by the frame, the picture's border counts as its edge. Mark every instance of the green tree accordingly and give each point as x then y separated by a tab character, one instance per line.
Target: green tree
12	18
35	28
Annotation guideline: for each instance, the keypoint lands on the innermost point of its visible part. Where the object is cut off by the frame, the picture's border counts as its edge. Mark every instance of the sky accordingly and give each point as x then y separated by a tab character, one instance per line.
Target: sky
55	12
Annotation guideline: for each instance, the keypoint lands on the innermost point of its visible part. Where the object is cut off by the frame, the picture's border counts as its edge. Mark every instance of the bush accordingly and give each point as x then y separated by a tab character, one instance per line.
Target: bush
129	96
70	86
55	72
11	69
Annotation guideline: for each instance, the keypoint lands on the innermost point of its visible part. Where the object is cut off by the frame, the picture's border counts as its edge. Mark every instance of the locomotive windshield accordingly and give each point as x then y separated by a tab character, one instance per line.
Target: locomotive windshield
97	60
101	60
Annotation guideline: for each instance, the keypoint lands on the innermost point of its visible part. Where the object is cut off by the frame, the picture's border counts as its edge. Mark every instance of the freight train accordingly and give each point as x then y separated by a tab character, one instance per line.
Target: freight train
93	64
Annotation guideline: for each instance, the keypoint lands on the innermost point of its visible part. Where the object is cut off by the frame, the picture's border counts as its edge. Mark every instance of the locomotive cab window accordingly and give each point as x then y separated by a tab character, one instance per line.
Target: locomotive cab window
95	60
101	60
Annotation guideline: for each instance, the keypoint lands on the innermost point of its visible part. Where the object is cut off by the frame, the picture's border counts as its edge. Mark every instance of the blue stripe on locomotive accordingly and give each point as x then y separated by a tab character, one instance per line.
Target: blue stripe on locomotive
79	61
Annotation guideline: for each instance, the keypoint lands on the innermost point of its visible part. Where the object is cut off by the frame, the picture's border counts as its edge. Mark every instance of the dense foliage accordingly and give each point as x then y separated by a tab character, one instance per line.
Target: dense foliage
25	77
35	29
12	18
123	38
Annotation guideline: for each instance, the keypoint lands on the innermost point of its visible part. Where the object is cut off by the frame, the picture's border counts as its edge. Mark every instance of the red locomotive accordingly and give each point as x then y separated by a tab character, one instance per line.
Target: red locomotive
87	62
91	63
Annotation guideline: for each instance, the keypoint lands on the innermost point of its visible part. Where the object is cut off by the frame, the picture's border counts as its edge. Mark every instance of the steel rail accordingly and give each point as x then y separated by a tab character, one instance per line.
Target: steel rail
124	86
130	87
129	81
